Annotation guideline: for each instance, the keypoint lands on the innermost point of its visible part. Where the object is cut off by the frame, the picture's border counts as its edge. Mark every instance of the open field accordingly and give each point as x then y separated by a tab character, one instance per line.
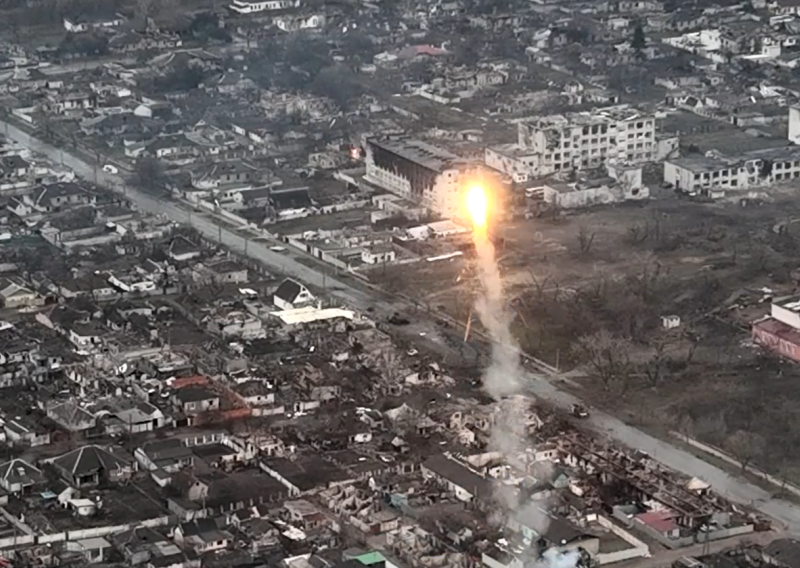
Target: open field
587	292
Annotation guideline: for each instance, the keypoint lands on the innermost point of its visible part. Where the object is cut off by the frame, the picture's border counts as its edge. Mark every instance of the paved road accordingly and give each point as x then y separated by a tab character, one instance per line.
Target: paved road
733	488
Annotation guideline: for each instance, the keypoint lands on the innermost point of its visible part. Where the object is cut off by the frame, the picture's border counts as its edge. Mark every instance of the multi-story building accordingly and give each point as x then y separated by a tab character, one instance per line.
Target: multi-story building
253	6
564	143
714	175
419	172
794	124
780	331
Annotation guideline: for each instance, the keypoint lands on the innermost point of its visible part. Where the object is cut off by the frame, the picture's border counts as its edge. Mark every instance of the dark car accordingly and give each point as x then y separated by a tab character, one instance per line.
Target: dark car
579	411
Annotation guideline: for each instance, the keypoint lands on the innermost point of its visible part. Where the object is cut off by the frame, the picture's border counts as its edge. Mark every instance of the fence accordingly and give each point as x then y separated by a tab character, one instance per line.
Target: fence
27	540
717	453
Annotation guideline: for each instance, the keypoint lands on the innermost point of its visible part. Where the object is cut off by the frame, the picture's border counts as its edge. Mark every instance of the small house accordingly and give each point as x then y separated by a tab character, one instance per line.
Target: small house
291	294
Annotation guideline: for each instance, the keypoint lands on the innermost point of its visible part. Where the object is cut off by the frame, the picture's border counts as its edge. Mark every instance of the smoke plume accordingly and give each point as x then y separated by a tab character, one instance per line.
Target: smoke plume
503	381
502	378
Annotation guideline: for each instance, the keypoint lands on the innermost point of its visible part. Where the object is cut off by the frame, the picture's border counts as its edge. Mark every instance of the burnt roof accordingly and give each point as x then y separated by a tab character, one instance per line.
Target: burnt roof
306	473
785	551
295	198
458	474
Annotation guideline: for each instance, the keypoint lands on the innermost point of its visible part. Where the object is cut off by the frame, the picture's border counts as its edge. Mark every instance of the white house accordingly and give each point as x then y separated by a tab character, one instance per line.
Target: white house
291	294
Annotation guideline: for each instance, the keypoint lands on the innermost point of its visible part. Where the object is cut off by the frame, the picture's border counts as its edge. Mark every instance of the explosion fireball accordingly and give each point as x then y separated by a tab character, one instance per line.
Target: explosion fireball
476	205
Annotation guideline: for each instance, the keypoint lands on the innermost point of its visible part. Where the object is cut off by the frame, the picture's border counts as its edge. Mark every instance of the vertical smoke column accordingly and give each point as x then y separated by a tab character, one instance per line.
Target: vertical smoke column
503	378
503	375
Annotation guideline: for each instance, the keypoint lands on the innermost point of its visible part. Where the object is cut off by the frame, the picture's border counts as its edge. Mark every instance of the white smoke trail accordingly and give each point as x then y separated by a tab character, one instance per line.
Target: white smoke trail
502	380
552	558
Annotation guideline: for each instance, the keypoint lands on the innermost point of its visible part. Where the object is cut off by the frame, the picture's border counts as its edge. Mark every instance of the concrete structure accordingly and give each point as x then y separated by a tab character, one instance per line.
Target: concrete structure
565	143
794	124
419	172
81	25
253	6
714	175
781	331
291	294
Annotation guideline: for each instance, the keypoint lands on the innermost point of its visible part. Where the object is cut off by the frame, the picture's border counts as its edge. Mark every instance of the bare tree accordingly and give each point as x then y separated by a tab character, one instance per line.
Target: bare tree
150	174
607	355
686	426
782	473
745	447
654	368
637	234
711	428
647	284
585	240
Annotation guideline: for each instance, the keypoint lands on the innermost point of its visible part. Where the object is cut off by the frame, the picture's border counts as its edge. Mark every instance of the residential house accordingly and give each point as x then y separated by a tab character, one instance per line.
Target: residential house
291	294
784	7
134	41
111	125
182	249
467	484
168	455
202	536
70	101
91	465
224	271
86	334
71	416
304	474
223	173
26	432
58	195
175	147
13	167
89	285
236	323
20	477
145	546
555	532
134	417
154	109
192	400
783	552
256	393
232	83
15	295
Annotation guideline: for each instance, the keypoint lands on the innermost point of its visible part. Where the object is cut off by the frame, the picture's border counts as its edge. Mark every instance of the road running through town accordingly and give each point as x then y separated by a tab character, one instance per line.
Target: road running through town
537	385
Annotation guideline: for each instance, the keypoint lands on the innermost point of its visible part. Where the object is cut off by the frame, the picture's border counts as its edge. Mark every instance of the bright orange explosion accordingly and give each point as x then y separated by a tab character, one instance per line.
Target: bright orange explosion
477	204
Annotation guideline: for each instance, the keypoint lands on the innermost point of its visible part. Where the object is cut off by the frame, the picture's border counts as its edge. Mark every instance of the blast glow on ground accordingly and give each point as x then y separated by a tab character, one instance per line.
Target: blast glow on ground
476	205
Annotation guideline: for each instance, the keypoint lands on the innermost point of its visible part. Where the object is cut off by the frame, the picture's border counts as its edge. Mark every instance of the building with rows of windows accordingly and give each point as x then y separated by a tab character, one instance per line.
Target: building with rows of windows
713	175
571	142
419	172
